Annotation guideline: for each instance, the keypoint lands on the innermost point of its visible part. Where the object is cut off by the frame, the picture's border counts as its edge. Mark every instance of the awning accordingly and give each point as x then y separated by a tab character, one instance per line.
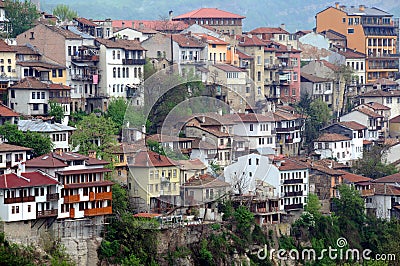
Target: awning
79	64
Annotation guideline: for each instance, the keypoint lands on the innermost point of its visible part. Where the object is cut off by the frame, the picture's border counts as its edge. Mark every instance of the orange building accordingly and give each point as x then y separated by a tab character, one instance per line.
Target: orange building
368	30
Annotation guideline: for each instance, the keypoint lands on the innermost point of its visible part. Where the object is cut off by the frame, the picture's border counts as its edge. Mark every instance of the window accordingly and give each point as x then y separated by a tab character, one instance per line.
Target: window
60	73
113	54
114	72
43	95
35	107
350	31
259	90
259	76
251	127
29	208
259	60
54	73
33	95
249	161
69	51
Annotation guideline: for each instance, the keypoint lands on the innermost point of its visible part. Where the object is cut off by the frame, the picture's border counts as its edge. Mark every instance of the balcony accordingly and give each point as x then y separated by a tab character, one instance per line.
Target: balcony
82	77
86	58
52	197
293	181
19	199
293	206
100	196
133	61
71	199
294	194
46	213
98	211
193	62
367	192
287	129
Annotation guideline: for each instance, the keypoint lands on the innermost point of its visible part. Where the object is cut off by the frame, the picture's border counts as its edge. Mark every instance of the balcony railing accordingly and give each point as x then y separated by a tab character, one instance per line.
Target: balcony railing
287	129
100	196
52	197
133	61
293	181
46	213
71	199
293	206
19	199
98	211
82	77
81	58
293	193
367	192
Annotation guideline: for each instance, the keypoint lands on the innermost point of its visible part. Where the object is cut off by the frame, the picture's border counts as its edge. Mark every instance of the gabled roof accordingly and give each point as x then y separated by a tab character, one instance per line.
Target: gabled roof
4	147
186	41
395	119
203	145
385	189
131	45
369	112
352	125
149	26
332	137
41	126
351	54
40	64
6	111
194	164
353	178
269	30
243	55
63	32
25	49
229	68
152	159
251	117
166	138
218	134
86	22
59	160
285	116
333	35
245	40
205	181
377	106
288	164
210	39
5	48
208	13
29	179
381	93
315	79
395	178
30	83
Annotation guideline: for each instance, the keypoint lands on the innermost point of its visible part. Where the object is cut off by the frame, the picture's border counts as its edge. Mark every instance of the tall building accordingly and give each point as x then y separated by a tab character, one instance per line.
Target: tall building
368	30
217	19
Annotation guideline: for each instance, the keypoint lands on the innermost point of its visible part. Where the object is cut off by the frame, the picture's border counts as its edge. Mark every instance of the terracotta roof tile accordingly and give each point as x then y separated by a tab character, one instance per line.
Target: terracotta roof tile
152	159
205	181
131	45
384	189
288	164
54	160
369	112
86	22
149	26
353	178
395	178
309	77
395	119
194	164
251	117
5	48
166	138
210	39
40	64
245	40
208	13
377	106
4	147
329	137
6	111
184	40
229	68
269	30
351	54
30	83
243	55
352	125
28	179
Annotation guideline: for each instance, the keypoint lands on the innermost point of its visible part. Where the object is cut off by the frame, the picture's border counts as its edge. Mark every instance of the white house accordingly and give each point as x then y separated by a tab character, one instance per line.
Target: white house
11	156
58	133
373	121
258	129
28	196
333	145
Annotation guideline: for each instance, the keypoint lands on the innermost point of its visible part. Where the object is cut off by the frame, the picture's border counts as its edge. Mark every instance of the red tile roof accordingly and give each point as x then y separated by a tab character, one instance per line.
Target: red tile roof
288	164
86	22
285	116
353	178
229	68
381	93
131	45
208	13
395	178
40	64
184	40
395	119
5	48
4	147
146	215
269	30
385	189
252	117
151	25
349	53
5	111
24	49
369	113
152	159
166	138
352	125
84	171
312	78
216	133
54	160
245	40
205	181
30	83
377	106
204	145
210	39
194	164
242	55
329	137
28	179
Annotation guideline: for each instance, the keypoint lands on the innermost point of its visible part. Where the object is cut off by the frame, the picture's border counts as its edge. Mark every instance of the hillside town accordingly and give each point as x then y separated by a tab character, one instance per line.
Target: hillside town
208	113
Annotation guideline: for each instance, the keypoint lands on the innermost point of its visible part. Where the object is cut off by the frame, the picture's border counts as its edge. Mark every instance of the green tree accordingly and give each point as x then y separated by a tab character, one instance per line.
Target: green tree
313	205
21	15
41	144
95	133
57	111
373	163
116	111
76	117
148	69
64	13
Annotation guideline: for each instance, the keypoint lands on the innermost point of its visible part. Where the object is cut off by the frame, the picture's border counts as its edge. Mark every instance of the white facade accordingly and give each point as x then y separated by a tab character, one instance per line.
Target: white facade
340	150
29	101
130	34
365	120
259	134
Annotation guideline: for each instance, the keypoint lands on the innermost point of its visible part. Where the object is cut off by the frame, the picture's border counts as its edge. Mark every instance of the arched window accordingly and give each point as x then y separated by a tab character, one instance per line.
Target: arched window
114	72
123	72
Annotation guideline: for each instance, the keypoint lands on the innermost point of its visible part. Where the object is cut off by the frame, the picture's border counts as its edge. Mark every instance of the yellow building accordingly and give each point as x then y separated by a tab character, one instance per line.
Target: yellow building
7	66
217	48
368	30
153	181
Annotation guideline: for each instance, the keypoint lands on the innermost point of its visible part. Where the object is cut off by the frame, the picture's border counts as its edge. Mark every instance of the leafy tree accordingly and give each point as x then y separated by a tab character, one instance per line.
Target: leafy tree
313	205
21	15
148	69
64	13
41	144
95	133
76	117
120	199
372	163
57	111
116	111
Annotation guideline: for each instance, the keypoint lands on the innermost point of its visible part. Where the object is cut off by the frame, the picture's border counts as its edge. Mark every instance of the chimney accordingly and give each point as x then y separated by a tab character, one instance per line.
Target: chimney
144	129
282	26
170	14
289	47
337	5
92	154
123	24
361	8
342	7
141	25
203	137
